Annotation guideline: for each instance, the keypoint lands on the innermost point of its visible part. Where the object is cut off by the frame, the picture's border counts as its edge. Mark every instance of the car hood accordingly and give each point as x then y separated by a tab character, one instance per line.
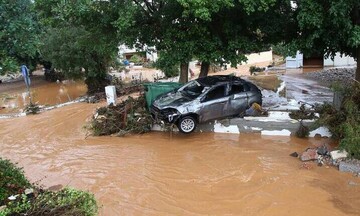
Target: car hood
173	99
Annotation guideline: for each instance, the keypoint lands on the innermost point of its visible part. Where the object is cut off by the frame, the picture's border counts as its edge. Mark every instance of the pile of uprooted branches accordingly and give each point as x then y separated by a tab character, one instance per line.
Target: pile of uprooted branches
130	116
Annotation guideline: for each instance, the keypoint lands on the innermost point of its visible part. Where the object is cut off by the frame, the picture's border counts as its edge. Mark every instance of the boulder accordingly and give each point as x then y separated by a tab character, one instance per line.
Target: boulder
322	150
336	155
309	154
350	166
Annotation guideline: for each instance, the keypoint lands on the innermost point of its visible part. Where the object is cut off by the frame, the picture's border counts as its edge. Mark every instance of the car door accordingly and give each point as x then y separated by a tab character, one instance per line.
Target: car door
238	99
213	103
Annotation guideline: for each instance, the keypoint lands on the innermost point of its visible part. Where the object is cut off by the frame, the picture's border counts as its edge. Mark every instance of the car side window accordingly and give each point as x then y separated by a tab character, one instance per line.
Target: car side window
236	89
216	93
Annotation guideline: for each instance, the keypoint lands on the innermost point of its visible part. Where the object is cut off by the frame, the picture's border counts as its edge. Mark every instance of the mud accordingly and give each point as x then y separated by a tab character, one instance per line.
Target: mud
163	174
14	96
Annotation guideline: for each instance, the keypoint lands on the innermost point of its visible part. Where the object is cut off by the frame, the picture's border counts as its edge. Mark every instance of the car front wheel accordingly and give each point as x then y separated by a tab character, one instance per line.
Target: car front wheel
187	124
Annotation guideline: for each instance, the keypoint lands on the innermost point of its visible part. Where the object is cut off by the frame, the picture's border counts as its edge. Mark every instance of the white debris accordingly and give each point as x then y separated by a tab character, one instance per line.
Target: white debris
7	116
322	131
219	128
335	155
13	197
281	88
274	116
252	128
283	132
256	128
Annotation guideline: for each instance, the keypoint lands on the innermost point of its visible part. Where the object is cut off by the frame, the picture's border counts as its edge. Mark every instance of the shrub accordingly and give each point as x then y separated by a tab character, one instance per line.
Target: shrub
345	123
67	201
254	69
136	59
12	180
42	202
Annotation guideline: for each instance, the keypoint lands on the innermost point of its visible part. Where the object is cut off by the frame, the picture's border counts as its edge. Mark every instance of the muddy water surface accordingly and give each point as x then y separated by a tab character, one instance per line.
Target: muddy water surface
159	174
13	99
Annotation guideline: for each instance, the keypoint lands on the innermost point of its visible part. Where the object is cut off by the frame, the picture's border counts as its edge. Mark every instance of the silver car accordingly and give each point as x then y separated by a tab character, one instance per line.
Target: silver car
205	99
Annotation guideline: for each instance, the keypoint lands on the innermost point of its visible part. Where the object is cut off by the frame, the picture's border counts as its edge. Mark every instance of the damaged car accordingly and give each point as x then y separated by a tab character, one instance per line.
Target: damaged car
205	99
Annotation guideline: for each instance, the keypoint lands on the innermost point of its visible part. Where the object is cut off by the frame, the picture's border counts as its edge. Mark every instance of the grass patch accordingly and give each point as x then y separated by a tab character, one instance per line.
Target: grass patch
270	82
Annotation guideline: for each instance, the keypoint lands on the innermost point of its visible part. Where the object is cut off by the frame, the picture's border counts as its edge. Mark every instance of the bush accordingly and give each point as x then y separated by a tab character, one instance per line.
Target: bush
254	69
42	202
12	180
136	59
345	123
8	65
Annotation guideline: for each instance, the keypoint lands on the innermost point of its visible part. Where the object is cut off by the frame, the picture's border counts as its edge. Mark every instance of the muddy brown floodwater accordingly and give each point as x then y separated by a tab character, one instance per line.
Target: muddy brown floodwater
14	97
159	174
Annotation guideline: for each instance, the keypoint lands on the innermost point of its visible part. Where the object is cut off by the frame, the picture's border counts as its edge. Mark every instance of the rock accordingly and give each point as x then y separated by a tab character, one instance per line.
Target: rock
29	192
294	154
353	183
55	187
336	155
350	166
309	154
322	150
92	99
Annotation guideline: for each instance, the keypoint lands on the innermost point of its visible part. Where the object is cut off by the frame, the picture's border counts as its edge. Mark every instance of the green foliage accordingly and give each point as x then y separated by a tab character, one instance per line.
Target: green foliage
19	35
302	114
320	20
170	68
64	202
254	69
8	65
220	31
344	124
136	59
80	40
32	108
12	180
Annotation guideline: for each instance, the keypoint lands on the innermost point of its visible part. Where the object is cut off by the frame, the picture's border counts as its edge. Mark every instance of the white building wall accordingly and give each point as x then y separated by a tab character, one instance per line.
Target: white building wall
295	62
339	61
259	57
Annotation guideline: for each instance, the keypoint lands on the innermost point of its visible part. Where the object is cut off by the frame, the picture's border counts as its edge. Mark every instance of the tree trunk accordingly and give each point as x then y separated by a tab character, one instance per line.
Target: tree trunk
357	73
184	72
205	66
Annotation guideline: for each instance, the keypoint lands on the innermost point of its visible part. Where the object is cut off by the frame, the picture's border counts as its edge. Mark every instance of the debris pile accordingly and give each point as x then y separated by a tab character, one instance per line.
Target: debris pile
322	156
128	117
32	108
301	115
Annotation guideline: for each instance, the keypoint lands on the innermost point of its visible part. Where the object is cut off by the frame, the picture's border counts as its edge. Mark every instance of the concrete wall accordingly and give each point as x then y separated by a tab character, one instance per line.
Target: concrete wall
339	61
152	56
259	57
295	62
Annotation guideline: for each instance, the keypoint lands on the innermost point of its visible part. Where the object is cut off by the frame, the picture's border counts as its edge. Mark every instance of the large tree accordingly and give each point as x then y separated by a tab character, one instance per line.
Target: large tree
220	31
327	27
19	35
80	39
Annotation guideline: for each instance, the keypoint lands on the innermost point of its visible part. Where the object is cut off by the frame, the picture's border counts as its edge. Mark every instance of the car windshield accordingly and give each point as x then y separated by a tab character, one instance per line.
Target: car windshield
192	89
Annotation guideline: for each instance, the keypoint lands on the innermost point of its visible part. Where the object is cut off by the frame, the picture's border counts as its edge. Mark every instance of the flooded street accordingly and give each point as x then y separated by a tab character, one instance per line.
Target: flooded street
14	96
159	174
